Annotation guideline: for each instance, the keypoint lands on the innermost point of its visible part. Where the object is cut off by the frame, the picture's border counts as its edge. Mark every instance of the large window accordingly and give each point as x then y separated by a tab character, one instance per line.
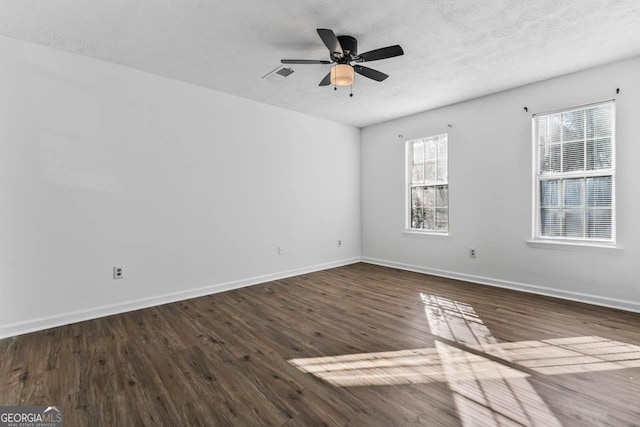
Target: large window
575	174
428	184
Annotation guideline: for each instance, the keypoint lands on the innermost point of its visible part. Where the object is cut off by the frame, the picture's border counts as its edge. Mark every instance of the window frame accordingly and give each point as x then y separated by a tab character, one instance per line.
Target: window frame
409	185
538	177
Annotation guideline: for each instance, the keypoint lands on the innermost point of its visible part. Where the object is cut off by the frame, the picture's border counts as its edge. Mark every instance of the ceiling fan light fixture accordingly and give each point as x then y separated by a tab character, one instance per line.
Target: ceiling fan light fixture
342	75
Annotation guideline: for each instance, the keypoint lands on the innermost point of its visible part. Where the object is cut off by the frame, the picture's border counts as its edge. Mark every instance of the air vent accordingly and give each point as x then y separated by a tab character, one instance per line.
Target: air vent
278	73
284	71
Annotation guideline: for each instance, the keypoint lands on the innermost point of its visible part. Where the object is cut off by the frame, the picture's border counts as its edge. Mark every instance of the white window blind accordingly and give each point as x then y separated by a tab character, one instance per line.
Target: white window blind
428	178
575	173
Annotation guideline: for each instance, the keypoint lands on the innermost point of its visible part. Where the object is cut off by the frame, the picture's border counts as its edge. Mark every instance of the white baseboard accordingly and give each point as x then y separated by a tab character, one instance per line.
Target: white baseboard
533	289
108	310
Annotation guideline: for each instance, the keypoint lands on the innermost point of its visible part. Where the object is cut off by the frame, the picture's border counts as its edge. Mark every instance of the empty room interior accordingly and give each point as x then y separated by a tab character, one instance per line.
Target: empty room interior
304	213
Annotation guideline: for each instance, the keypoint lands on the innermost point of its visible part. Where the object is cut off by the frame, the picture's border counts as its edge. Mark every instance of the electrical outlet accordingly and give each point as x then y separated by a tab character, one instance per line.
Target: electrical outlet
339	243
280	250
118	272
472	253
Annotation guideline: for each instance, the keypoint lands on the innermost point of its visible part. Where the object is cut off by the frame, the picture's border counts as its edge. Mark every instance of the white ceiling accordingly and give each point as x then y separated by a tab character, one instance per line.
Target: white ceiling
454	49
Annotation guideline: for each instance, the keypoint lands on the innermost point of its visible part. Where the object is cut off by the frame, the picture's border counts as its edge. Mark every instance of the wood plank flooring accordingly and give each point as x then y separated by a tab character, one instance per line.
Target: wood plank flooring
486	356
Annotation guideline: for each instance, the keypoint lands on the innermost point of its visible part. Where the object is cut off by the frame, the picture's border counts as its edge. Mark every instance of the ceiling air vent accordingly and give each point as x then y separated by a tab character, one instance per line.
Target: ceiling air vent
278	73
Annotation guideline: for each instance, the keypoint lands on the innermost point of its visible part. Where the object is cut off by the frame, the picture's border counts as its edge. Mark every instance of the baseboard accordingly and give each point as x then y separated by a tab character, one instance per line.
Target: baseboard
108	310
523	287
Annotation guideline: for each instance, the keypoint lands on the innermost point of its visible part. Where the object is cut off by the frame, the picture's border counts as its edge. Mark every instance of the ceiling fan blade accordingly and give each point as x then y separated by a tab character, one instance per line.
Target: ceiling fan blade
330	41
303	61
382	53
371	73
327	80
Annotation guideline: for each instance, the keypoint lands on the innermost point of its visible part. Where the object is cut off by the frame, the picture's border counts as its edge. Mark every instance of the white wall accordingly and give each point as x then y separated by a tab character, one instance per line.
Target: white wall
190	190
490	170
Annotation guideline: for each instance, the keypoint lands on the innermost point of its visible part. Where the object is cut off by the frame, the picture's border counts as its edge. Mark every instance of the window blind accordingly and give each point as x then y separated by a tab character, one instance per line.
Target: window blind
429	184
575	176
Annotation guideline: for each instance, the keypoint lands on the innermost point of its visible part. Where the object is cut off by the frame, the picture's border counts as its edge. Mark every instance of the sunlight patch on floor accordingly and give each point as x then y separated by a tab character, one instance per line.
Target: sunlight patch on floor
489	391
417	366
502	400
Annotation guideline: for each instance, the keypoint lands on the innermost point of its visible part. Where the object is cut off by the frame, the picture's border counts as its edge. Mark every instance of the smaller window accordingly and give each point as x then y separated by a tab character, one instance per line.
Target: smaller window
428	184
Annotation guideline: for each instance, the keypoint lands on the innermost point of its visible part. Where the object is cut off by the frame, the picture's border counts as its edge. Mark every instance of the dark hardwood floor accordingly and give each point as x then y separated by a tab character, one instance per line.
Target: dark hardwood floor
358	345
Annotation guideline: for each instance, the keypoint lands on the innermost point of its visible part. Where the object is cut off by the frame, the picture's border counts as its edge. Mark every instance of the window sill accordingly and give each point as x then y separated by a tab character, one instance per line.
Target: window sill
568	246
412	233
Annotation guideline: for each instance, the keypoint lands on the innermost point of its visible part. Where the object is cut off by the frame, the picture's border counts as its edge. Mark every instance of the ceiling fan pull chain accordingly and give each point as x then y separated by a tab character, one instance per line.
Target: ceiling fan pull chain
333	77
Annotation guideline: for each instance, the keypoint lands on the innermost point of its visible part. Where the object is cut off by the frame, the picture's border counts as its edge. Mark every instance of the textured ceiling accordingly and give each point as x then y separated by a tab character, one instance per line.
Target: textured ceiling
454	49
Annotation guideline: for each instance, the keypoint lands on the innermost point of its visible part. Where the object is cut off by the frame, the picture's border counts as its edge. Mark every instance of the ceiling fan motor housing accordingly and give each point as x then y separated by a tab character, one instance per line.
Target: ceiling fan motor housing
349	46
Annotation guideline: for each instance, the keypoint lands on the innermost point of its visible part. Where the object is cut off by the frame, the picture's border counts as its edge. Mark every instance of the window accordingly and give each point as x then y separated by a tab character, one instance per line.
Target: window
428	188
575	174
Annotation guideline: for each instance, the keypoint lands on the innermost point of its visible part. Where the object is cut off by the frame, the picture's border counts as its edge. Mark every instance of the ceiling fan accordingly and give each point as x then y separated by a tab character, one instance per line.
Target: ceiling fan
343	51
